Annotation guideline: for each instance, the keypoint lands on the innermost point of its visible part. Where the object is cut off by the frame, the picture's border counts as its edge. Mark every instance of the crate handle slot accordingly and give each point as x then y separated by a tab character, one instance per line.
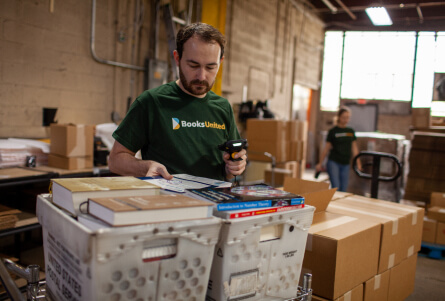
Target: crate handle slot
271	232
159	253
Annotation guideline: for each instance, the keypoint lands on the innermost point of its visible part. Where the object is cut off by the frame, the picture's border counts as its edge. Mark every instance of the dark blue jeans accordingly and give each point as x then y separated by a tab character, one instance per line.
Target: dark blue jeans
338	175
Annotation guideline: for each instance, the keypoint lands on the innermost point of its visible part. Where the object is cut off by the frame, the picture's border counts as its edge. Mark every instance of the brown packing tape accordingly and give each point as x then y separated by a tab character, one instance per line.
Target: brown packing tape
393	219
80	139
341	220
391	260
377	280
347	296
399	207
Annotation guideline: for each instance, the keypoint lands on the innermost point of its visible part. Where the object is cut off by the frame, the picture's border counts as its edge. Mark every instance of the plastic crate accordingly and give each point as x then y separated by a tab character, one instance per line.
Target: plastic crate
163	261
260	257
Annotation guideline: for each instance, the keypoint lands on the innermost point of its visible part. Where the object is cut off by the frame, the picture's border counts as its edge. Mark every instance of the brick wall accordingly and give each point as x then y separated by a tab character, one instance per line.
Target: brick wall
45	59
261	52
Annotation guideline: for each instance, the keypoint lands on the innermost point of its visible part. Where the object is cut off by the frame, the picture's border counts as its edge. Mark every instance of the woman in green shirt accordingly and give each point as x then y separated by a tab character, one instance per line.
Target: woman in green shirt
341	145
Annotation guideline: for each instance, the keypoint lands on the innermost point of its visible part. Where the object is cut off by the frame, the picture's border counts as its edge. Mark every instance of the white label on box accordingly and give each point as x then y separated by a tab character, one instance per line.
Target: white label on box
63	271
377	282
410	250
442	210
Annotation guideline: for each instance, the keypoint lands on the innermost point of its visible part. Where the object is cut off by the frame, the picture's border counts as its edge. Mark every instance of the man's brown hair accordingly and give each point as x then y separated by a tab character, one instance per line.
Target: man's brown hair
205	32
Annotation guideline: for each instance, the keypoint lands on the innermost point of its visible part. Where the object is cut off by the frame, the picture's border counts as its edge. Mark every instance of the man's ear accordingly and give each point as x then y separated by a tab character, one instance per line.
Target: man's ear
221	59
176	56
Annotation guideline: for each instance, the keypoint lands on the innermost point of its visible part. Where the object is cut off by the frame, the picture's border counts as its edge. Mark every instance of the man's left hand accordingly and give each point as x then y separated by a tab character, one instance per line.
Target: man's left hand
235	168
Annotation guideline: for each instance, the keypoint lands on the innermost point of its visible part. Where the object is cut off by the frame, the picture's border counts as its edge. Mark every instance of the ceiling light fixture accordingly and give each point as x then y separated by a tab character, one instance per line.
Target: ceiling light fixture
379	16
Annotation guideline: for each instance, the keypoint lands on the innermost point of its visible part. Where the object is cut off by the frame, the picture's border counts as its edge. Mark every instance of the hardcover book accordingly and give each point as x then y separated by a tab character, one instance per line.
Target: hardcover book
69	193
122	211
246	197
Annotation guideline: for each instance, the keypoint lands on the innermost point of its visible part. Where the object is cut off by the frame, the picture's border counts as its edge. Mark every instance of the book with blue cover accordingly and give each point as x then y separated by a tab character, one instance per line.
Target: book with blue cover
246	197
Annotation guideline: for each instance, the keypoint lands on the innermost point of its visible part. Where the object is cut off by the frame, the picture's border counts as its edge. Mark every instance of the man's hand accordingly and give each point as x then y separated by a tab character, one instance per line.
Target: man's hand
157	169
235	168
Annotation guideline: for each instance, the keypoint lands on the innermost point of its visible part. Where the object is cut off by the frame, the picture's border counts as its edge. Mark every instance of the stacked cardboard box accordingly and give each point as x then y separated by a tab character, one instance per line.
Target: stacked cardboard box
356	241
71	146
285	140
426	164
434	222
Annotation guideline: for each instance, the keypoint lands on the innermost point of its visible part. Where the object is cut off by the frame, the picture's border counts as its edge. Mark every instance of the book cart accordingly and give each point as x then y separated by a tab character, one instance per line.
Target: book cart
255	258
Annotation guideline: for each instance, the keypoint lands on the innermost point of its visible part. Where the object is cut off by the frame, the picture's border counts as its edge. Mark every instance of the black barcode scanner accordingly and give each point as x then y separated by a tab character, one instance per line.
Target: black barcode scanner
232	147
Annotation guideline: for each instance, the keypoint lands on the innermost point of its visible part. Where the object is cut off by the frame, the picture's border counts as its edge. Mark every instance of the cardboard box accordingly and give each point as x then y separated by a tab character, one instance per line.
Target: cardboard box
70	162
401	226
279	174
438	198
392	250
429	230
267	136
376	288
401	279
285	140
428	141
341	253
72	140
356	294
437	213
316	194
293	166
297	150
421	117
440	234
297	130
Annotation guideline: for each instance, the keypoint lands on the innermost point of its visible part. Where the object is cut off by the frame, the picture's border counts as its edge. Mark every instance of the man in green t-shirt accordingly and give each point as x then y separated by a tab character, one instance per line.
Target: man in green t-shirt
178	126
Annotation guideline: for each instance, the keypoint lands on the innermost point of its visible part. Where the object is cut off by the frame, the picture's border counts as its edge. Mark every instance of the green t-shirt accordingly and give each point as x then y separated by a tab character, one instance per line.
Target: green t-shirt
341	140
178	130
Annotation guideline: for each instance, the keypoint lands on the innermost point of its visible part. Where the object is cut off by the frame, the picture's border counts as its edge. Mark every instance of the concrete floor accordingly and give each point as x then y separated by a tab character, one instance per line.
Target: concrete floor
430	280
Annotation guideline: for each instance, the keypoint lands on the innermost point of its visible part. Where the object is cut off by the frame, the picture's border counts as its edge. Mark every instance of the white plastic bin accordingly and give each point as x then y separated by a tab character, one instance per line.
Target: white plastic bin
163	261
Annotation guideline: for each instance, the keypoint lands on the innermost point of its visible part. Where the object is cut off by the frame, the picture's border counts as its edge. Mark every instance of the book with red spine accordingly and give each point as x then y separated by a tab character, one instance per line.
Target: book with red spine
232	214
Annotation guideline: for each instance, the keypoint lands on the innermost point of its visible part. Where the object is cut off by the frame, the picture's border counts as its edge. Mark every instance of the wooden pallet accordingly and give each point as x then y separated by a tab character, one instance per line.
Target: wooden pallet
434	251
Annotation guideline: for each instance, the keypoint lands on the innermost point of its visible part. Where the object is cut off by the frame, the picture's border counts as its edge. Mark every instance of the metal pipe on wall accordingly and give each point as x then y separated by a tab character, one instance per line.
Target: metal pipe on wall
93	52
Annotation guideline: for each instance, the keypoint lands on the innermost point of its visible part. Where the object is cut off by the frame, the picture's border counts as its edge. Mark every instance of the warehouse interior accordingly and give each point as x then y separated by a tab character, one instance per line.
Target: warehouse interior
289	65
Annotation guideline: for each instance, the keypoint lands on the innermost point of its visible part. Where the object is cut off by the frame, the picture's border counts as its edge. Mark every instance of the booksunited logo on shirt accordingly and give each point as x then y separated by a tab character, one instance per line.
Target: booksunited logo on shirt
344	135
175	123
196	124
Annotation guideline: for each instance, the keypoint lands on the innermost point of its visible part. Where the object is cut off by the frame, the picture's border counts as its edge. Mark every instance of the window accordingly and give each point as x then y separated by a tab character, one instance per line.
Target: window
382	65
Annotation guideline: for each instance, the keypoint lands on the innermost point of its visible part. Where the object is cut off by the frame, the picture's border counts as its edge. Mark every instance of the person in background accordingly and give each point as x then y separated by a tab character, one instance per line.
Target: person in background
341	145
178	126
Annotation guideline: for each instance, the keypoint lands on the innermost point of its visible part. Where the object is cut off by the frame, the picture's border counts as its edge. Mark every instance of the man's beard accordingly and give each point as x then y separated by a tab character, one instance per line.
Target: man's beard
189	86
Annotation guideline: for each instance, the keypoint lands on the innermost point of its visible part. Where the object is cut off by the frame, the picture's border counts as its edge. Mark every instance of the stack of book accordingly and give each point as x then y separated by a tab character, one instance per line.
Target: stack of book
249	200
8	217
119	201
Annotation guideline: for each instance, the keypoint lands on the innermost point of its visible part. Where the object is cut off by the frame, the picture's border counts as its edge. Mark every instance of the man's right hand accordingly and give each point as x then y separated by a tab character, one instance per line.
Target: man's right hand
157	169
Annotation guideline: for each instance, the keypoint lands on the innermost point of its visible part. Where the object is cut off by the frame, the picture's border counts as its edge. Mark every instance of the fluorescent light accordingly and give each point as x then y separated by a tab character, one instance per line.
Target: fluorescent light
379	16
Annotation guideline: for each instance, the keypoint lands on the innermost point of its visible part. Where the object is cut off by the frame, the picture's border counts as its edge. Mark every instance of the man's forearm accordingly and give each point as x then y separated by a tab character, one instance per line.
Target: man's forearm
128	165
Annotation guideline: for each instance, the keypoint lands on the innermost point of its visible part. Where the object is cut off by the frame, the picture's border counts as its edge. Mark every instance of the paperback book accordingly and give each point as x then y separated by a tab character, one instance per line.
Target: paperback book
231	214
181	182
246	197
123	211
69	193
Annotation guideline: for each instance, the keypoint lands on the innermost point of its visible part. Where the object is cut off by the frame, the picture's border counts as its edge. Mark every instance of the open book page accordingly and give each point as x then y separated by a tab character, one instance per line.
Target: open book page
181	182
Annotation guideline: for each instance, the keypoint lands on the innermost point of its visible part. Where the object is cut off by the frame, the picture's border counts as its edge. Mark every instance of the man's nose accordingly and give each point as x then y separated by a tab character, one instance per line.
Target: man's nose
201	74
